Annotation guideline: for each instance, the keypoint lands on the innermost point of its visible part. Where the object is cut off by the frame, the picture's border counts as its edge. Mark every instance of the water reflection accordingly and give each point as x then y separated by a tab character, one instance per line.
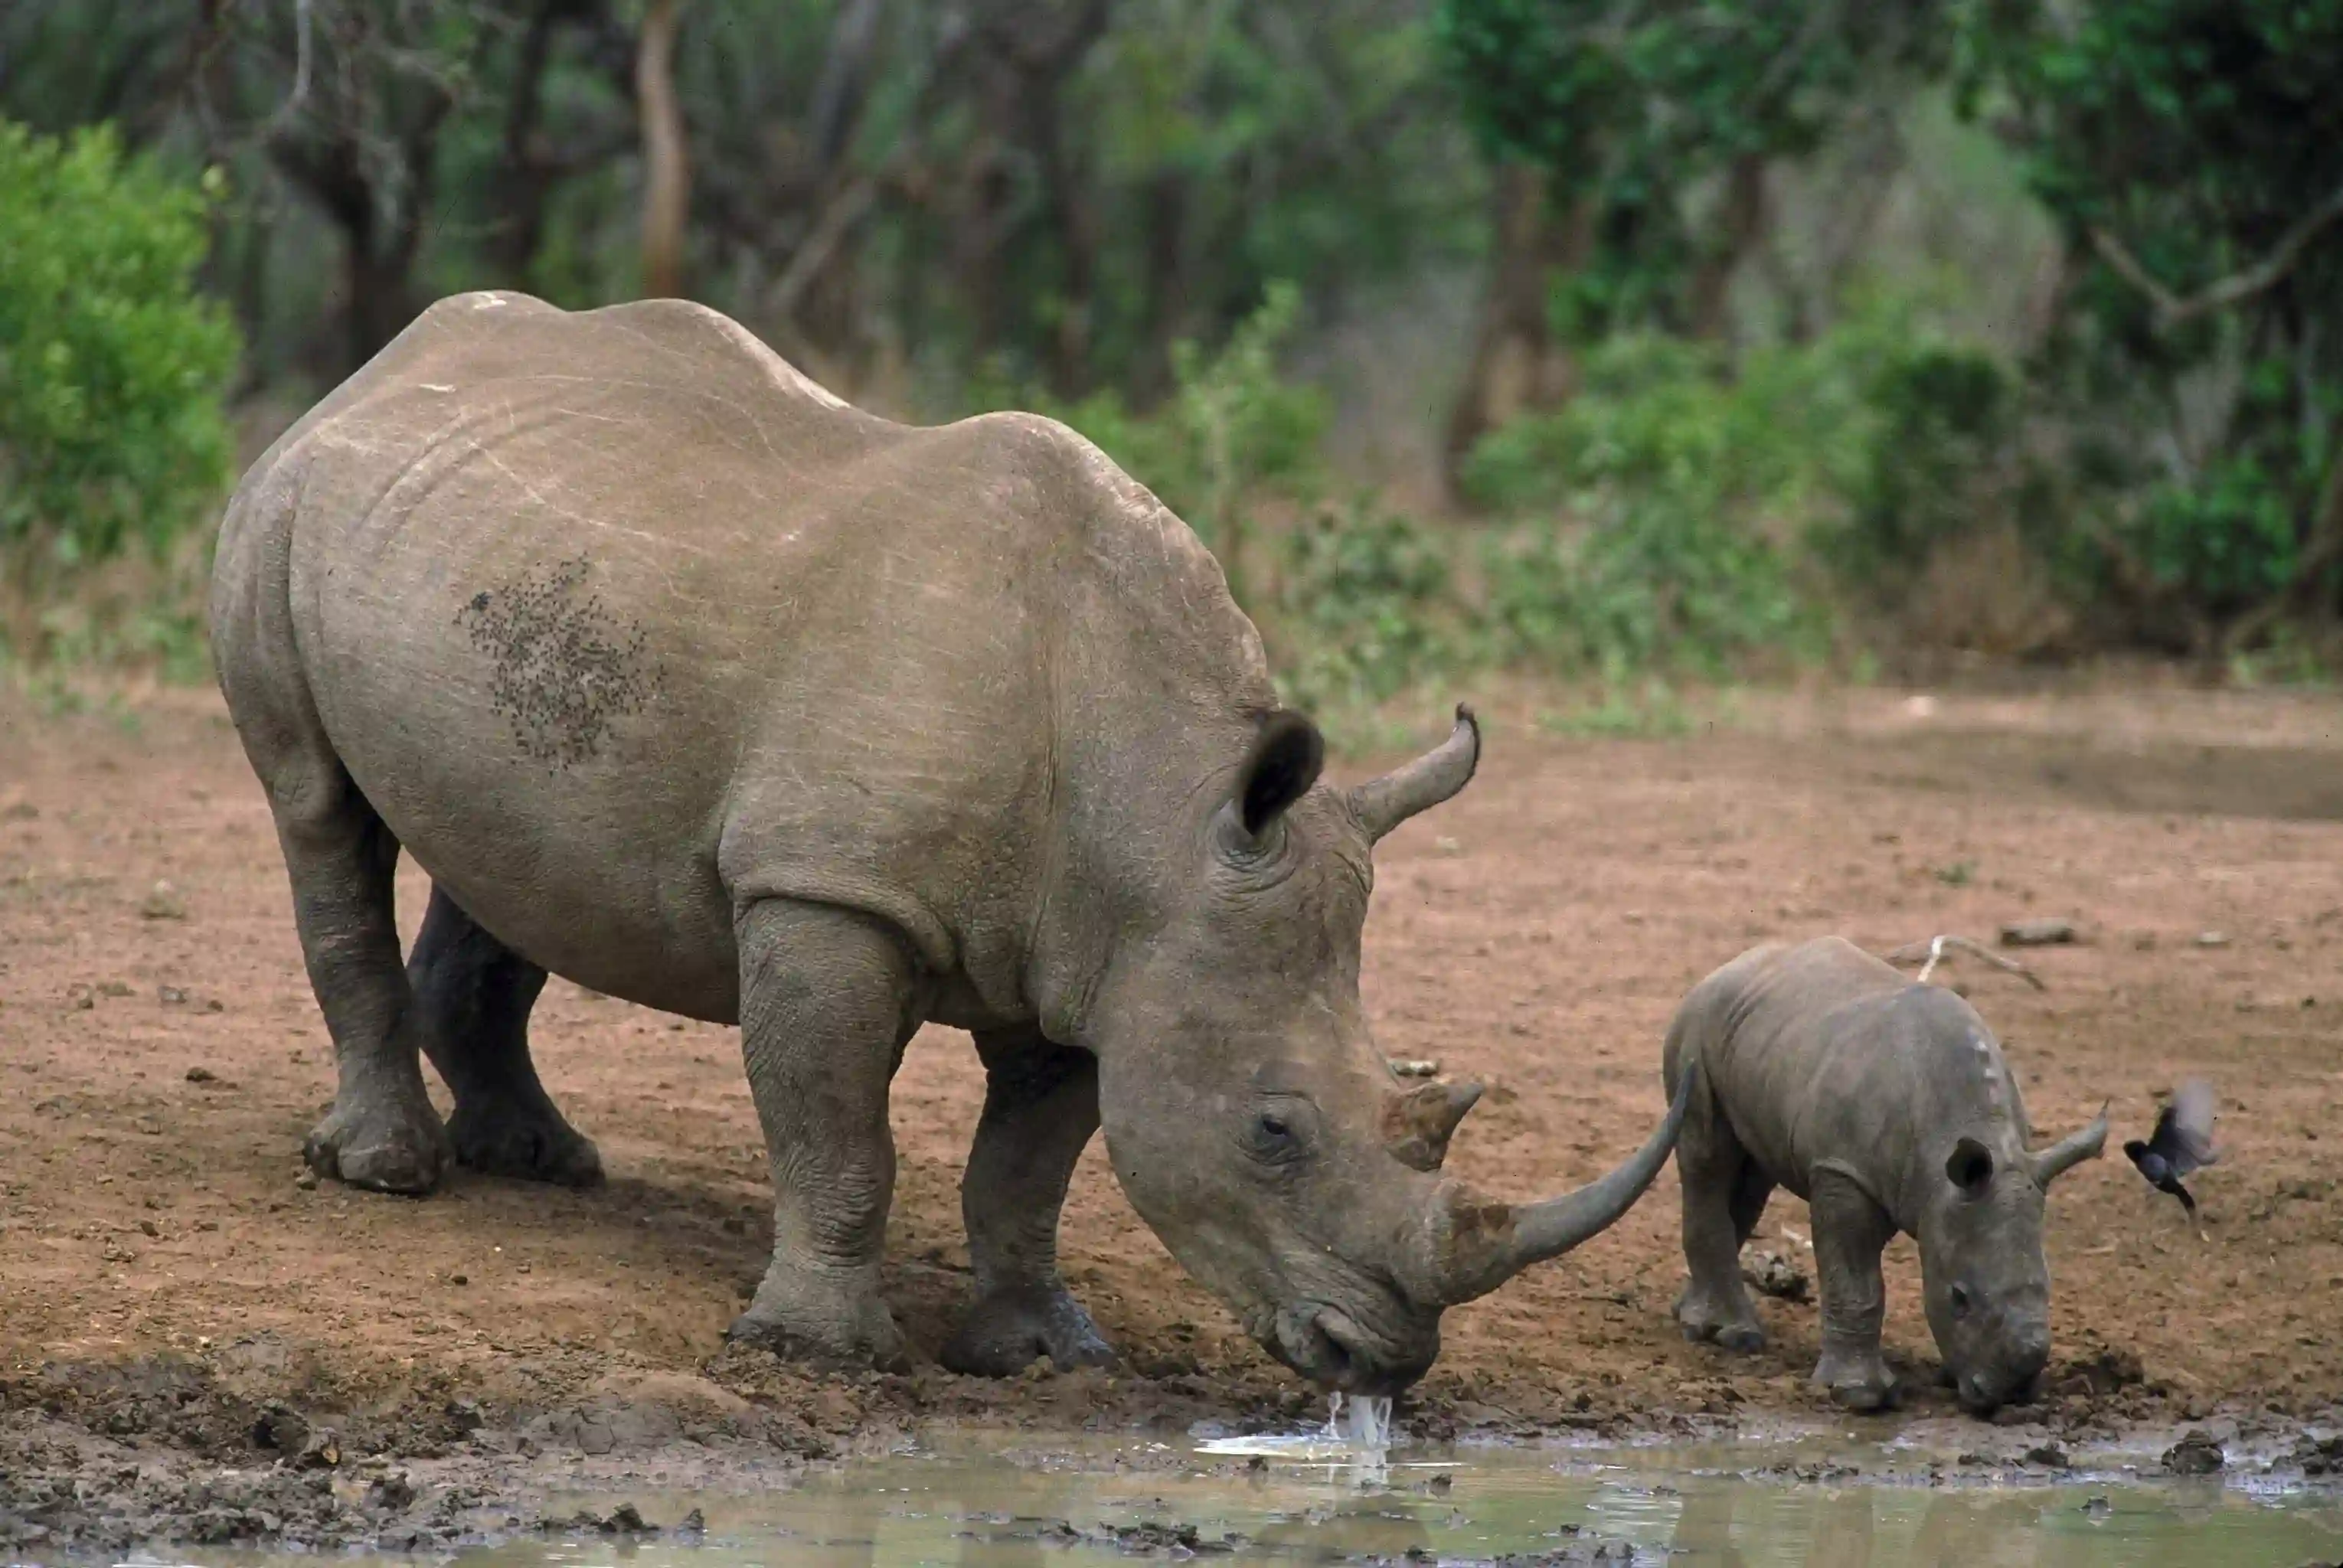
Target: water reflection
974	1507
1705	1527
1844	1533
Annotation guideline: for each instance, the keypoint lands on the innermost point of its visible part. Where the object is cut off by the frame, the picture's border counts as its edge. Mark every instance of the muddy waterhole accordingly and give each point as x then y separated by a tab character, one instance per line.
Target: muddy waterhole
1357	1492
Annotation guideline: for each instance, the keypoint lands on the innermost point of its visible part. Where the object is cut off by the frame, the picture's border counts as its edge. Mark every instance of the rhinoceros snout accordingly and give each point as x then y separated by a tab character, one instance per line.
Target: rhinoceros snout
2012	1381
1332	1349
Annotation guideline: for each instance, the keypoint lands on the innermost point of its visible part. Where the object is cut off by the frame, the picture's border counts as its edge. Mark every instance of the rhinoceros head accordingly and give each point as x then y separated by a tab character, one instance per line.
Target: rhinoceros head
1985	1280
1249	1115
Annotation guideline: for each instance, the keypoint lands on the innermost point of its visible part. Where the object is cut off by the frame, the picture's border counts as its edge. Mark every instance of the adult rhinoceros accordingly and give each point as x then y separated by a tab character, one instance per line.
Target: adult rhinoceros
686	680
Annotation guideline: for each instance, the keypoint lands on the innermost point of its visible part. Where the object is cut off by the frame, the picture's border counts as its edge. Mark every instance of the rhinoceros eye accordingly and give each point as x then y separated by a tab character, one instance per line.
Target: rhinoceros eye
1278	1136
1961	1303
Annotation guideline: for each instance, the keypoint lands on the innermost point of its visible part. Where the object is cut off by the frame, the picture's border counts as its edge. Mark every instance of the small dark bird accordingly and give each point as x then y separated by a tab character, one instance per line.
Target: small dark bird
2181	1144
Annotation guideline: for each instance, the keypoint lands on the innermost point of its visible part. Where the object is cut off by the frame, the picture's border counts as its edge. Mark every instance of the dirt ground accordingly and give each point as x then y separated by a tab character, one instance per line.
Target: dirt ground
161	1058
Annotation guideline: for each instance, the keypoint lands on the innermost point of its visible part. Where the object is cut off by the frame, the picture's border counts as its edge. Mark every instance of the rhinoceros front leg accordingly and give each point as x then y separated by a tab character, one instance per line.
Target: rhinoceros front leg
1041	1108
1851	1231
473	996
827	1004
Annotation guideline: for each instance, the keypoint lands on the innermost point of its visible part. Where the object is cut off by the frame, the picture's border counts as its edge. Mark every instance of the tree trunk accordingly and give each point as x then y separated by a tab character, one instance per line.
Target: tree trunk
666	171
525	181
1517	367
1078	247
1740	224
1167	279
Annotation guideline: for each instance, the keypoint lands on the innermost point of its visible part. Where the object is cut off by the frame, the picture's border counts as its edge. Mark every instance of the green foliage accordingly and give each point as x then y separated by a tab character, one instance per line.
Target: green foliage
1650	710
2185	144
1663	499
111	369
1926	430
1943	417
1629	106
1363	605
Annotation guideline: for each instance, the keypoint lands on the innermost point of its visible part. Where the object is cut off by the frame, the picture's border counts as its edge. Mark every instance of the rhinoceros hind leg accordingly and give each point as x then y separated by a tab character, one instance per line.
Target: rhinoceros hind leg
1041	1108
828	999
1851	1231
472	998
382	1131
1724	1194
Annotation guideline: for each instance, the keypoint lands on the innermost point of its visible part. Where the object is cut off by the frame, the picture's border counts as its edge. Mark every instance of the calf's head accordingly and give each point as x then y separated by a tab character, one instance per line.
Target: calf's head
1983	1278
1250	1118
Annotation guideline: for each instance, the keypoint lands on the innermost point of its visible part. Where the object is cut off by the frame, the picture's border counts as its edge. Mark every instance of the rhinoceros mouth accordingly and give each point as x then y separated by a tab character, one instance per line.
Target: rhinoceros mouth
1982	1395
1327	1346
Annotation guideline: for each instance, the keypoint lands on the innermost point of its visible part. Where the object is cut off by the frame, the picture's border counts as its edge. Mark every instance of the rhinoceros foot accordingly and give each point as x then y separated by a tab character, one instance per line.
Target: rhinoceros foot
524	1142
1008	1331
832	1331
389	1142
1855	1382
1726	1325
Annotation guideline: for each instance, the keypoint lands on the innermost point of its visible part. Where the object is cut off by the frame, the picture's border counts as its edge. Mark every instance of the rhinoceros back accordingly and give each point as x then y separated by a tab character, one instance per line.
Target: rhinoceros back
604	612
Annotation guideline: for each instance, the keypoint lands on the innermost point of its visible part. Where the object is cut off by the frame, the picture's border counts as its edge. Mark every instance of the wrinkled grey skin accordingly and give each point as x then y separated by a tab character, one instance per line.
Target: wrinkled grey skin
687	681
1887	1105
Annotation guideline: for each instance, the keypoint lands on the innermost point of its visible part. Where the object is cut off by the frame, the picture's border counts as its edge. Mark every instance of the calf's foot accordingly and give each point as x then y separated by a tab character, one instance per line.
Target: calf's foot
1704	1315
1009	1330
1854	1379
390	1141
503	1136
837	1323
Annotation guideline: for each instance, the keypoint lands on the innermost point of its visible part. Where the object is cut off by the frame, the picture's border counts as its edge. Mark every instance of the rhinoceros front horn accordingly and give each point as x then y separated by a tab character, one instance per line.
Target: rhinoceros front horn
1473	1244
1383	804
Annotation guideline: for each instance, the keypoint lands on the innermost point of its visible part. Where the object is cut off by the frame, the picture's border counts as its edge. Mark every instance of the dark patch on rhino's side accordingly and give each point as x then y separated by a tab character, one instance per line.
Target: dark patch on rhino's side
565	668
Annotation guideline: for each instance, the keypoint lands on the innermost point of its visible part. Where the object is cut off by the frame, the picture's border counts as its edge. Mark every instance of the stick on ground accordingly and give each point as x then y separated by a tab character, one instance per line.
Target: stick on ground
1936	947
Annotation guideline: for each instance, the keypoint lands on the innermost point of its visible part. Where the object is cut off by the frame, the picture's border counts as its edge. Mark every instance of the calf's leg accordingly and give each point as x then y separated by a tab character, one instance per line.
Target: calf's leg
473	996
828	999
1851	1231
1718	1176
1041	1108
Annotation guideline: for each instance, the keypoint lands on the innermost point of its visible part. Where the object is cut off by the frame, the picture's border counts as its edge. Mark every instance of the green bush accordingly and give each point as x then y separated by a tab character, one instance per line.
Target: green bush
112	370
1679	514
1935	454
1657	509
1362	605
2177	143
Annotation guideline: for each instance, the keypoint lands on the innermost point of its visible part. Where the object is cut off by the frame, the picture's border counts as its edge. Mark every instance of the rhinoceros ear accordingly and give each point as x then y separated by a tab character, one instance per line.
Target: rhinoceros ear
1284	764
1969	1167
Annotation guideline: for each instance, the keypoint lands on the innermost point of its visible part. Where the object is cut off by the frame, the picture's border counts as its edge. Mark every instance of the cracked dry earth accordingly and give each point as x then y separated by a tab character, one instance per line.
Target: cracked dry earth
171	1282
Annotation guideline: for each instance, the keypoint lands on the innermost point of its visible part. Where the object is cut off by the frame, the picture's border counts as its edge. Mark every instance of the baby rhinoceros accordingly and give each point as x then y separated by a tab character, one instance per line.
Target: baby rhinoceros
1887	1105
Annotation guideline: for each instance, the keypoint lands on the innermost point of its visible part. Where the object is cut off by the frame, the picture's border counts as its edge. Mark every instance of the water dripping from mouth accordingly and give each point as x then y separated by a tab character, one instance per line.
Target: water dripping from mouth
1357	1437
1364	1423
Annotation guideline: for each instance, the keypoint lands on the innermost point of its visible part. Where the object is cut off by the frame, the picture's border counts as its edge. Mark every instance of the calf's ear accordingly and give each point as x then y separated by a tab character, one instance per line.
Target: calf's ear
1969	1167
1279	770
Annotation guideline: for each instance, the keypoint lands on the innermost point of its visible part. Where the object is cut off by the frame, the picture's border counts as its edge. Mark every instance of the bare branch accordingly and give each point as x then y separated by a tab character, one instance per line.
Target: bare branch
837	219
2172	310
840	89
1934	949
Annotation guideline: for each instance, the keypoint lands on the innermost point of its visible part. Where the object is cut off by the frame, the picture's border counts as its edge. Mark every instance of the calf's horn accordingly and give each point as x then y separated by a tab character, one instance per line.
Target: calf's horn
1383	804
2069	1151
1473	1244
